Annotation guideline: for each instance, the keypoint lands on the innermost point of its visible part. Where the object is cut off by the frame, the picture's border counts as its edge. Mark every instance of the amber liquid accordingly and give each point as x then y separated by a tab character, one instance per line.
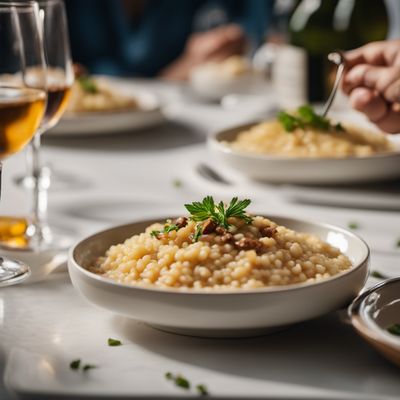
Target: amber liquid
21	111
57	100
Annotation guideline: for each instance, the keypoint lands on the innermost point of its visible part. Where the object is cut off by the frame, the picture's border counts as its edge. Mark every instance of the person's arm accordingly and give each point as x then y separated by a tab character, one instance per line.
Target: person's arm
214	45
372	82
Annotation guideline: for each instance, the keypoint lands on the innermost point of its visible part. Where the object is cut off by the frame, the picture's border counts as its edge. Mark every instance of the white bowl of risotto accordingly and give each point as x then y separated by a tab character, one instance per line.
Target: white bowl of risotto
265	151
252	278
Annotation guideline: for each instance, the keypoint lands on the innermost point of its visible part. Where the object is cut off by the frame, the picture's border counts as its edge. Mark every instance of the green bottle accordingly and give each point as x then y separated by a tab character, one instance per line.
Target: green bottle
316	28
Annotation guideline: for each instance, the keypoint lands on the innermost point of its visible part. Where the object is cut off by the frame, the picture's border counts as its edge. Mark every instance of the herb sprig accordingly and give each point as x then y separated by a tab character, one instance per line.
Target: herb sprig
167	228
219	213
87	84
306	117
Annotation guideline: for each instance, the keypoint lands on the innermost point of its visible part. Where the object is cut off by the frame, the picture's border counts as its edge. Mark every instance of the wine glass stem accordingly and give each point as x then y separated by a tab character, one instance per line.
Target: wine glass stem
39	230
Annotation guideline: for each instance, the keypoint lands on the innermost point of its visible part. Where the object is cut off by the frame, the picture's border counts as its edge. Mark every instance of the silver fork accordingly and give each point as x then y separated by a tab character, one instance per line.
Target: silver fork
337	58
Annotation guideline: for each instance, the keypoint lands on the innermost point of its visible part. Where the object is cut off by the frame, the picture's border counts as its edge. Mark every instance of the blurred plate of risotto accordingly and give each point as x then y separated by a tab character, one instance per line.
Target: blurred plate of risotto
220	271
234	75
103	105
303	147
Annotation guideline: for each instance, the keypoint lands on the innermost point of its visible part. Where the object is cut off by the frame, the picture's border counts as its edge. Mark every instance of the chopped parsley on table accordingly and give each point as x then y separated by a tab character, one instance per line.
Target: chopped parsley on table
76	365
184	383
378	275
114	342
202	390
353	225
305	117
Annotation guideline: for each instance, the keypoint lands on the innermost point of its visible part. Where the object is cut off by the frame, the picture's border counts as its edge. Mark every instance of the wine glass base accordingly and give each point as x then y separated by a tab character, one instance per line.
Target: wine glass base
42	261
12	271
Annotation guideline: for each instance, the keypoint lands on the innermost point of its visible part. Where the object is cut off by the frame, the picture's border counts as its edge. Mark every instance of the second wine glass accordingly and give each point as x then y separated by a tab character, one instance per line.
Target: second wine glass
60	77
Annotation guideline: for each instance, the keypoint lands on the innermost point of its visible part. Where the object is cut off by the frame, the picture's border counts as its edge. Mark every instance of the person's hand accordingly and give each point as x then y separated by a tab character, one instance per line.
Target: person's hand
214	45
372	81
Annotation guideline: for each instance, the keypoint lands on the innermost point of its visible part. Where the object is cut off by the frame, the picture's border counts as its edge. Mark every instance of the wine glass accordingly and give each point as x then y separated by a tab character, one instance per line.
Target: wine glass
60	78
22	93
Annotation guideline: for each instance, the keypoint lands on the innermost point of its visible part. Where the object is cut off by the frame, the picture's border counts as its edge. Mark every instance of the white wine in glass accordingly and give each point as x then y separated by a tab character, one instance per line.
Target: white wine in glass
22	93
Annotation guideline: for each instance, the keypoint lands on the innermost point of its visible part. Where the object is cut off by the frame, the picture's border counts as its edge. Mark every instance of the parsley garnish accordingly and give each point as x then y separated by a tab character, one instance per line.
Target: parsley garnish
88	84
202	390
86	367
219	213
398	243
353	225
306	117
114	342
179	380
177	183
394	329
182	382
168	375
378	275
75	364
167	228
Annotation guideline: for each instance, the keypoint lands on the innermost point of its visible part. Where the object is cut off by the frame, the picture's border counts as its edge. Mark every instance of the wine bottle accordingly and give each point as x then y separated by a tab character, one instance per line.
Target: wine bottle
302	73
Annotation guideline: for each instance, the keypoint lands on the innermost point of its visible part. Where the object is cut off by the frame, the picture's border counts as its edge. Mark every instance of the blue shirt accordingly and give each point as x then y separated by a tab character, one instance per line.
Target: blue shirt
106	41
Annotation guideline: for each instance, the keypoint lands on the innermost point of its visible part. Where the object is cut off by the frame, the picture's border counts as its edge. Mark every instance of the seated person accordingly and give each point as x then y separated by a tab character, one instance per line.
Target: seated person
162	37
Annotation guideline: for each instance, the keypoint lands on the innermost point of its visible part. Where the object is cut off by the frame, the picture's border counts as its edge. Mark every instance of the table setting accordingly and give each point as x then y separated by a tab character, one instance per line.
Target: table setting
167	252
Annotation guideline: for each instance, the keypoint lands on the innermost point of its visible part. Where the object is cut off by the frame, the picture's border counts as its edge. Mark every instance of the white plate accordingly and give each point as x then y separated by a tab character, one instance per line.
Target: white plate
98	123
306	170
220	314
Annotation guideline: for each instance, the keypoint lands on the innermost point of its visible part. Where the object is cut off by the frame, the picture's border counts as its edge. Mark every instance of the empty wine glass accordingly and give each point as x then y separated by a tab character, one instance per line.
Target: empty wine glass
22	93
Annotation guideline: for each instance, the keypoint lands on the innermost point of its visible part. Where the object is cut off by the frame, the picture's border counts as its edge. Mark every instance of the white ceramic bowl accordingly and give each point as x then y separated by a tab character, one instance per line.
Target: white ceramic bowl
211	84
304	170
224	313
373	312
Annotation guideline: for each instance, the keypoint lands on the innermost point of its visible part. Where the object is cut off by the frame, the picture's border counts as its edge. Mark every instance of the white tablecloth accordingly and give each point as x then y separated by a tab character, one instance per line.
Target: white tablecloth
112	179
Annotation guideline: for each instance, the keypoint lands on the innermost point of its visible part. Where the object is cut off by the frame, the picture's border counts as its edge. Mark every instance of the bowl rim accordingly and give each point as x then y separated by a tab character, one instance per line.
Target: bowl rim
358	321
229	292
215	142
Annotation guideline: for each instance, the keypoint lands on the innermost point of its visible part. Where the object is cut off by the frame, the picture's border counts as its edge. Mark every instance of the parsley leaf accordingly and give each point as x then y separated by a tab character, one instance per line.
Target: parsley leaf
218	213
88	85
75	364
86	367
182	382
167	228
114	342
202	390
394	329
353	225
378	275
306	117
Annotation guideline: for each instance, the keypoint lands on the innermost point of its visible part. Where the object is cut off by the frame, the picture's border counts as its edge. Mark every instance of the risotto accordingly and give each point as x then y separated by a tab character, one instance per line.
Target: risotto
271	138
95	95
251	253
